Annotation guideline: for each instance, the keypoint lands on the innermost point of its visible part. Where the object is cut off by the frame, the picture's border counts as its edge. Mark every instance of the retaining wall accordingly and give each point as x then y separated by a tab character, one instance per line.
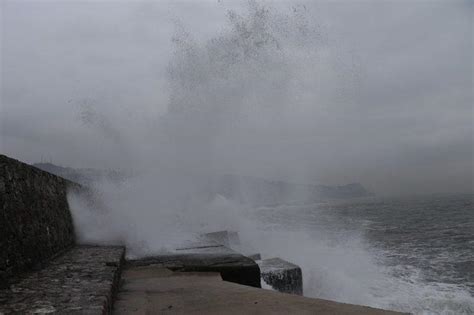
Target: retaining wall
35	221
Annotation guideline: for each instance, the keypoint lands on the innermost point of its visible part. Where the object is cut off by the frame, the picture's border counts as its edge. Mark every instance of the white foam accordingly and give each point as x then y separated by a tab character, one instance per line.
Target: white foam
343	267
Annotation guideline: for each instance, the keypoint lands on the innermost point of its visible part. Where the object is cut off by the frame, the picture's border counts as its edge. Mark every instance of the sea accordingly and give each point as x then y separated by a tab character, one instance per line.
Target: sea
413	254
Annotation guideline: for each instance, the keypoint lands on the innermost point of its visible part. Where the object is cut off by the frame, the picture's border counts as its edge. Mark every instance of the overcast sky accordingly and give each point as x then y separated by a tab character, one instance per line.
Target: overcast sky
389	103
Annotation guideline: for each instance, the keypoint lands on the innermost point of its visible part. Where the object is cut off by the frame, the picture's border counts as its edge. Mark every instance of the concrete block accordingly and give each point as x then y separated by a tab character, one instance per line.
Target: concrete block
207	256
281	275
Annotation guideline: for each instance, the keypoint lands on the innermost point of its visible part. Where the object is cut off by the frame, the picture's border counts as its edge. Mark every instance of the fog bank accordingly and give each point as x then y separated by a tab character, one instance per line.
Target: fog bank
338	92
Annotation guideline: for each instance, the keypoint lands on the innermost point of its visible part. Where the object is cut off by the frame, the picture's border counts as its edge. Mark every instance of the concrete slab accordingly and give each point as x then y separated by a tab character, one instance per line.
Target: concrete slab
81	281
207	256
281	275
155	290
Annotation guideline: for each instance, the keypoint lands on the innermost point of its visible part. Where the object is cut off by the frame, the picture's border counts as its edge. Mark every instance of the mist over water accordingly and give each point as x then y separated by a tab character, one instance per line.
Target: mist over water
244	102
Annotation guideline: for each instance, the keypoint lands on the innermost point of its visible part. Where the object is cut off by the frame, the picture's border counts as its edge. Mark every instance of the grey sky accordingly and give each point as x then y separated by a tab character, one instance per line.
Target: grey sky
390	103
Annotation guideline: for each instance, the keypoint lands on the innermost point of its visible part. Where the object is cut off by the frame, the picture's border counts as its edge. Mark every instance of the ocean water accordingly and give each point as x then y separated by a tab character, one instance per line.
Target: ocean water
413	254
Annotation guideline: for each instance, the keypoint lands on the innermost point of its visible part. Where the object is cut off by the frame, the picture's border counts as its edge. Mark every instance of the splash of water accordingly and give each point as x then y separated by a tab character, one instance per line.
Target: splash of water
233	100
237	103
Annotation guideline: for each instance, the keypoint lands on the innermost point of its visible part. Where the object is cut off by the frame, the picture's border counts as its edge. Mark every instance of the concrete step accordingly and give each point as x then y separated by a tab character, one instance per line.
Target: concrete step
83	280
207	256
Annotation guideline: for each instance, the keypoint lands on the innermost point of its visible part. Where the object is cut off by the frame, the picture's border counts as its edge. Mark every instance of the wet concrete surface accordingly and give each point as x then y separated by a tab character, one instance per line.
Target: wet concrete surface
82	280
157	290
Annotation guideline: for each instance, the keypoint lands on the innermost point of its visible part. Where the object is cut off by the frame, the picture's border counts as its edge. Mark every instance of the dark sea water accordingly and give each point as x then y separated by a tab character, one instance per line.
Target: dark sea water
411	254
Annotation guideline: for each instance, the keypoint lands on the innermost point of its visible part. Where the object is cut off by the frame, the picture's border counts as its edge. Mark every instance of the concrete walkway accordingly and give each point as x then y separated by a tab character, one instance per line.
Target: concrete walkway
157	290
80	281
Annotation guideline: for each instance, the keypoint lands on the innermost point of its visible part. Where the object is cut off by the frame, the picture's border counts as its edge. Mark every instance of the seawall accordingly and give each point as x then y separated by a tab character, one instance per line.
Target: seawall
43	271
35	221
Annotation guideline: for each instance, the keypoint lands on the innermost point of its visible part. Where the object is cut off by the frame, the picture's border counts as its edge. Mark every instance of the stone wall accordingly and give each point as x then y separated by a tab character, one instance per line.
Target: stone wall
35	221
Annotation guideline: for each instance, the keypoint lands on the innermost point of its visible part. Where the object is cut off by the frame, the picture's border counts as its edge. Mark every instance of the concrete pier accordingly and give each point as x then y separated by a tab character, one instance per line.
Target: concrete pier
157	290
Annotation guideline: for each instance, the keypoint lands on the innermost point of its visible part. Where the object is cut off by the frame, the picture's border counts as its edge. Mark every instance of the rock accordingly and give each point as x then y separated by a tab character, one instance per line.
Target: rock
281	275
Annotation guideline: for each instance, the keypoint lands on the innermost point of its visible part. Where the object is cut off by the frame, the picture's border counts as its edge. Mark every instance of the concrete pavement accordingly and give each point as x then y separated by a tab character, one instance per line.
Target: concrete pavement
157	290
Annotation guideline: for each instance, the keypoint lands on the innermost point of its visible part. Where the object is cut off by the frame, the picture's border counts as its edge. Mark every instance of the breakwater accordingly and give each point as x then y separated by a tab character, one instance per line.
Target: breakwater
45	271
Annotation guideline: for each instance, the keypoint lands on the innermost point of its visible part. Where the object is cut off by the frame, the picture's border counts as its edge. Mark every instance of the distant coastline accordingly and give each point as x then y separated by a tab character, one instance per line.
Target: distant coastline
242	189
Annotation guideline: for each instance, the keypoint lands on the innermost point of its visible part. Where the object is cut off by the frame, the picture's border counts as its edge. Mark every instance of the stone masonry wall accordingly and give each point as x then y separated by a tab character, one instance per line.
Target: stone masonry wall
35	221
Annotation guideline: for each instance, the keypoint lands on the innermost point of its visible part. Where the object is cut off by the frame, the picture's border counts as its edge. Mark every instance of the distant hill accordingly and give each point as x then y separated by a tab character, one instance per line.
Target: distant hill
244	189
266	192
